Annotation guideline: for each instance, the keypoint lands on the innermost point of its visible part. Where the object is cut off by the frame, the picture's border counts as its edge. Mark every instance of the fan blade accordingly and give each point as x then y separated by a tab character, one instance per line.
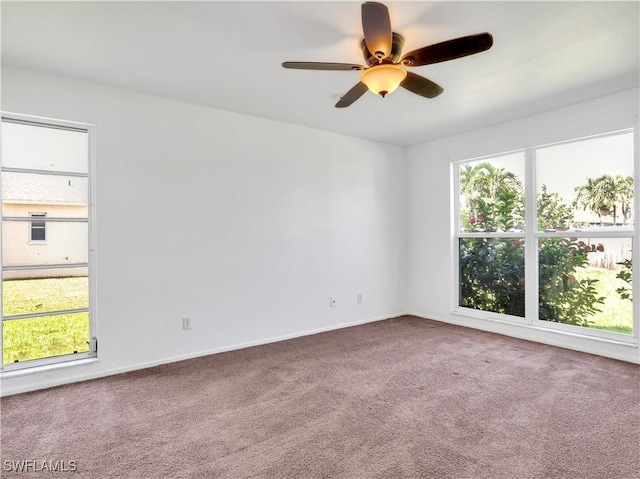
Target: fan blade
352	95
421	86
449	50
376	26
322	66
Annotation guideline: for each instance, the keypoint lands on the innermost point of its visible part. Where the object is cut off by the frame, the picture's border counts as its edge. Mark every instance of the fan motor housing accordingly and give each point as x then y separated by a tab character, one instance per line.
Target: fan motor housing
394	57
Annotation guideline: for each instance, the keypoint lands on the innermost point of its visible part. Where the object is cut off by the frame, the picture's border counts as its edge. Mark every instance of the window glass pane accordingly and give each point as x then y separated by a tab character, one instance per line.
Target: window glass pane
64	195
492	275
44	148
67	243
36	338
37	294
492	194
586	282
37	233
586	185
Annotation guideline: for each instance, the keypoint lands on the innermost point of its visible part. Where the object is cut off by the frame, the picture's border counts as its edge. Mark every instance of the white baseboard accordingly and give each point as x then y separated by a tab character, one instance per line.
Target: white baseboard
47	382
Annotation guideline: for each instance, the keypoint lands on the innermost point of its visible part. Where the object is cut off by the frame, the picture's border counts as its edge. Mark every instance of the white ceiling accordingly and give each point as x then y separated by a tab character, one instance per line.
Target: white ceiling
228	55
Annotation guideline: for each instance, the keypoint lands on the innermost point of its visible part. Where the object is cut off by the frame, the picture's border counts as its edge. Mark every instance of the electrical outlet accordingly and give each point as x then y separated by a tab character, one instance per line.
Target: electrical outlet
359	297
186	323
332	302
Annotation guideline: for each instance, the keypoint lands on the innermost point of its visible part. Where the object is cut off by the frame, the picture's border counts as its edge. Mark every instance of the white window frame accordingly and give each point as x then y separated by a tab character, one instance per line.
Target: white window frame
531	238
90	130
457	235
32	227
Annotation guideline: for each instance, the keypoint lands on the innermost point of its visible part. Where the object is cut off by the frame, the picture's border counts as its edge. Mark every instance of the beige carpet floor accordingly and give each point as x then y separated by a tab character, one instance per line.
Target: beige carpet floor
402	398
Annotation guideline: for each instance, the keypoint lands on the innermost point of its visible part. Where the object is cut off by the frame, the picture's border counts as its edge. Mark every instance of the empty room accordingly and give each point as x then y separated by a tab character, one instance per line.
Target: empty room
320	239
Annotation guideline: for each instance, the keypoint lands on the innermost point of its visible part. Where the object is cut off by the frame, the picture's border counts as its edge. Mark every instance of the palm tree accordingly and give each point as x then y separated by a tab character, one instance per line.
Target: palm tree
625	192
603	195
606	191
489	191
588	198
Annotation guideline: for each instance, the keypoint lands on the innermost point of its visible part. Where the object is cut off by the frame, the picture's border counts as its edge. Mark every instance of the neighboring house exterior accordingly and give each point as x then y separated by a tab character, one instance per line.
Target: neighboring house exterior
39	242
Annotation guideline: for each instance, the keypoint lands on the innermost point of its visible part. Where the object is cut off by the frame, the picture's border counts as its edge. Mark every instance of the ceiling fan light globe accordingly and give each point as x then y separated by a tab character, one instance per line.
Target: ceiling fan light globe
383	79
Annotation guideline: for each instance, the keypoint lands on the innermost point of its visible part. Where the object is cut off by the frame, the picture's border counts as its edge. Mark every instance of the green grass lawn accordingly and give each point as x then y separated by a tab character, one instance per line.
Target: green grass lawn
34	338
617	313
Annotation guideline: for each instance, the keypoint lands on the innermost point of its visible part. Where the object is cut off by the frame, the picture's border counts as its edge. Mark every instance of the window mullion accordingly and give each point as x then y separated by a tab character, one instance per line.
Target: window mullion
44	314
41	218
27	267
455	241
531	242
635	242
8	169
497	234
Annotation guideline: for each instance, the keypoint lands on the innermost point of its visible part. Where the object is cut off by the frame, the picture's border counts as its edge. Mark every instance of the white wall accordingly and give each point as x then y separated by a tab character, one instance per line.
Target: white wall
246	225
431	286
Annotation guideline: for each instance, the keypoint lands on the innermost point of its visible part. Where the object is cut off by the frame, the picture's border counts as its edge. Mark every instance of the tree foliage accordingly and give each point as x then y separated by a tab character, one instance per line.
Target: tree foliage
626	275
553	213
494	198
562	298
492	275
606	195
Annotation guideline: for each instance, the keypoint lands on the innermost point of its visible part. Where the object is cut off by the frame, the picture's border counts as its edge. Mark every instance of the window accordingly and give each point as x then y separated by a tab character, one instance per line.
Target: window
47	312
545	236
38	229
491	235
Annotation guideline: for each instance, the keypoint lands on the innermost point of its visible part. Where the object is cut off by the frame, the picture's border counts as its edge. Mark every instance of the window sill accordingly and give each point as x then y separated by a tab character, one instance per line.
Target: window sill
621	340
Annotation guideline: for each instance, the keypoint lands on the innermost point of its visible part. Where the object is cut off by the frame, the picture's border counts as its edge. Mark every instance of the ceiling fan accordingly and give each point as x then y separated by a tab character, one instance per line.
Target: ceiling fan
385	70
